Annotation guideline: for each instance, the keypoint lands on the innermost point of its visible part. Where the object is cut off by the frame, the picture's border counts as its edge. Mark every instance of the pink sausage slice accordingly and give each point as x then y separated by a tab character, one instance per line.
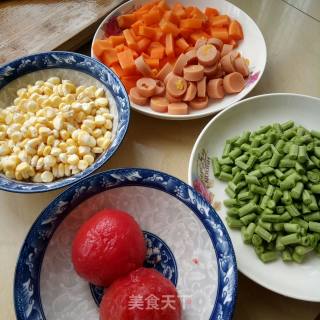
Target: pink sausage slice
159	104
208	55
202	87
193	73
215	89
227	63
166	69
146	87
199	103
178	108
199	43
160	88
211	71
136	98
233	82
226	48
216	42
180	64
191	92
172	99
192	56
176	86
241	66
143	67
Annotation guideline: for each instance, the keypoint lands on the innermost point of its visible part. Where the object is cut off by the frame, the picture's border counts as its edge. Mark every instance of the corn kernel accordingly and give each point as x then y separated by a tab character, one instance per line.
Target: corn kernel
60	170
99	120
37	178
71	150
34	160
46	150
44	132
101	102
79	89
99	93
83	165
89	159
97	133
71	142
40	163
47	176
10	174
54	80
50	140
4	150
73	159
58	122
83	150
63	157
67	171
63	146
97	150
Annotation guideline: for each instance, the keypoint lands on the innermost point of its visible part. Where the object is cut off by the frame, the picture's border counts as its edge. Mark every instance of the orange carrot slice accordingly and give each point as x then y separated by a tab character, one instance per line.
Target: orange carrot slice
99	46
126	61
195	23
169	48
235	30
220	21
126	20
220	33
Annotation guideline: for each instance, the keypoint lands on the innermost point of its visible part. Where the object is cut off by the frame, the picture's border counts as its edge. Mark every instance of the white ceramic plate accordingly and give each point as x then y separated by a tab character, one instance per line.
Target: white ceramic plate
292	280
252	47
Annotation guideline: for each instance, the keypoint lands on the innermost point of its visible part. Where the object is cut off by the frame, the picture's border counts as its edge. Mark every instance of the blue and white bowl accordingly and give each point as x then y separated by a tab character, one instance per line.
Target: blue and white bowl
186	241
80	69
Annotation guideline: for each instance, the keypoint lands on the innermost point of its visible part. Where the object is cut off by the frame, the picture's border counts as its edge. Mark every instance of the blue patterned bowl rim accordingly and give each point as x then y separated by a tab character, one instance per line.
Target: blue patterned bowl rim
27	298
73	61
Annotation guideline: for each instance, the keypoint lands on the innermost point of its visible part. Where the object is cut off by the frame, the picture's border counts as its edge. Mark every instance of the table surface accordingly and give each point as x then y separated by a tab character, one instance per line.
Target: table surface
291	29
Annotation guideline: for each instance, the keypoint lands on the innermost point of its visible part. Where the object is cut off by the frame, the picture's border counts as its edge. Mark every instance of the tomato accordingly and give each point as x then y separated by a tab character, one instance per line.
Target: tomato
144	294
107	246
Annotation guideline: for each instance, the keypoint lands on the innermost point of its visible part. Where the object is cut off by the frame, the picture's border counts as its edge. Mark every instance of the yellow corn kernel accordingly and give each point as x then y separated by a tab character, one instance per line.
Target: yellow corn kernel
44	132
71	142
34	161
60	170
17	175
97	150
58	122
73	159
4	150
67	171
63	146
106	144
10	175
63	157
49	161
83	150
41	149
108	116
86	128
55	101
46	150
47	176
97	133
22	92
71	150
101	102
40	163
99	93
55	151
89	159
9	118
37	177
16	136
80	116
99	120
54	80
50	140
108	124
9	163
83	165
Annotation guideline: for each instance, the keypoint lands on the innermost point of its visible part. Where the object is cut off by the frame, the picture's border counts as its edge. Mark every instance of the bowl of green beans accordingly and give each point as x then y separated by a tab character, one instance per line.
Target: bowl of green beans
258	164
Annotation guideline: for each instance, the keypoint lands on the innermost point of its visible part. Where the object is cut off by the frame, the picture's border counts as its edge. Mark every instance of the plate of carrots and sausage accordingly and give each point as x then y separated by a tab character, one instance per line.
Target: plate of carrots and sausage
179	61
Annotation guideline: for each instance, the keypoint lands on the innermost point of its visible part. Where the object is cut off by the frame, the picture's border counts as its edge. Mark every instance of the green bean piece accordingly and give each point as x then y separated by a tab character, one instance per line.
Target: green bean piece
251	179
264	181
285	217
243	196
306	139
277	195
293	211
313	176
286	198
244	235
241	165
270	191
235	153
263	129
305	241
268	256
245	147
230	202
266	155
273	218
301	131
251	161
216	167
313	205
244	138
226	168
280	209
292	228
232	140
299	168
278	173
292	238
304	178
317	152
296	192
288	183
303	224
224	176
259	250
249	232
256	240
315	134
234	223
305	209
280	145
288	134
233	212
314	226
240	186
315	216
315	160
256	189
297	258
235	170
301	250
306	197
227	161
315	188
293	152
271	204
277	128
287	125
247	208
274	161
238	177
272	179
264	202
256	173
302	154
310	164
286	256
230	193
278	226
263	233
287	163
226	150
248	218
279	245
266	170
232	186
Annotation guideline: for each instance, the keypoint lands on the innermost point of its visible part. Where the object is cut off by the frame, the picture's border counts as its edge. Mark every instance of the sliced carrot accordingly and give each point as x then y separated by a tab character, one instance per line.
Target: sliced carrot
131	42
169	27
152	17
162	5
143	44
189	11
211	12
235	30
130	81
126	61
191	23
148	32
220	33
126	20
182	44
220	21
100	45
170	16
198	35
153	63
169	48
109	57
159	34
234	43
145	55
115	40
197	13
179	10
157	53
120	47
134	53
186	32
136	25
117	69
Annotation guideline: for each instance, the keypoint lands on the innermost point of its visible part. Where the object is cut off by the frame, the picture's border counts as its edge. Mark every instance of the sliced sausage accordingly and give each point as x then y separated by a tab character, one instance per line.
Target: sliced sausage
159	104
165	70
192	56
208	55
168	76
180	64
226	48
234	54
172	99
233	82
193	73
241	66
136	98
191	92
143	67
178	108
199	103
146	87
216	42
202	87
227	64
176	86
199	43
211	71
215	89
160	88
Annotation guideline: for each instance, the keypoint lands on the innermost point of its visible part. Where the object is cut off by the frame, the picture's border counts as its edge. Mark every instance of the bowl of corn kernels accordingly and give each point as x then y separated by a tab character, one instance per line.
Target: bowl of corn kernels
62	116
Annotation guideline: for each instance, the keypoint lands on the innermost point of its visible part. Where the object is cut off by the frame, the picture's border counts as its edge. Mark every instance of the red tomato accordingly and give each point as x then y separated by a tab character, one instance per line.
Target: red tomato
108	246
144	294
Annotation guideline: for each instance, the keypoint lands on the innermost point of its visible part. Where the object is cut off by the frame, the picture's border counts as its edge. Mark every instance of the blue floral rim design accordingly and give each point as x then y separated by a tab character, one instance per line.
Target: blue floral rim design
78	62
27	297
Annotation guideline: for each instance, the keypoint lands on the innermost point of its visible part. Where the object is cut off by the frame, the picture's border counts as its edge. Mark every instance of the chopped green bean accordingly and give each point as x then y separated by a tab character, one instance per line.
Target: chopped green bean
292	238
263	233
314	226
268	256
286	256
234	223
